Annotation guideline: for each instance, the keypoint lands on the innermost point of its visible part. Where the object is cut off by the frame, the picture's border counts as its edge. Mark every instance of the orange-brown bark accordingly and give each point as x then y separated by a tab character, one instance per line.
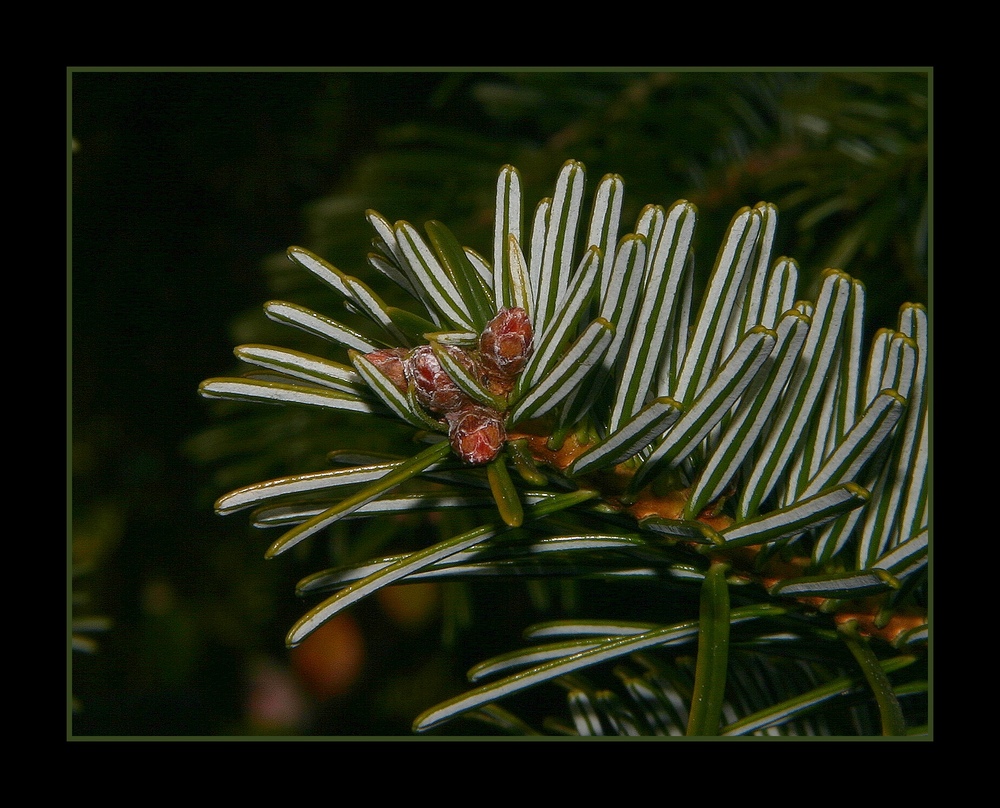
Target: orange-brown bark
743	560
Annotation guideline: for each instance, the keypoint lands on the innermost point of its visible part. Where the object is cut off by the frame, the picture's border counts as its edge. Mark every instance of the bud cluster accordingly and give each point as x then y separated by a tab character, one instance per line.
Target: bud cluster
476	431
504	349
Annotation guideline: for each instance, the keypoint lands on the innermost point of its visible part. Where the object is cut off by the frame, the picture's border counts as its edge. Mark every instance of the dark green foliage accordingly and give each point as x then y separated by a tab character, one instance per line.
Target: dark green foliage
763	418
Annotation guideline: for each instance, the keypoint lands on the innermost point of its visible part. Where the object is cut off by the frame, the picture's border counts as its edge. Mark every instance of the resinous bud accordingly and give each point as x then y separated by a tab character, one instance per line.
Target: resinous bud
433	386
391	363
506	343
477	433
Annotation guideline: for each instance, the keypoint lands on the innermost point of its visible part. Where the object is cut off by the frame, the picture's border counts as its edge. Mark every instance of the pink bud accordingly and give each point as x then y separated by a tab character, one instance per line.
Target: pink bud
389	362
434	387
477	433
505	343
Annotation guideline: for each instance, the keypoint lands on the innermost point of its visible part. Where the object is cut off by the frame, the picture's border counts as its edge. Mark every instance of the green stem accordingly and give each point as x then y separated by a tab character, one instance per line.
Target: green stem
505	492
889	708
713	654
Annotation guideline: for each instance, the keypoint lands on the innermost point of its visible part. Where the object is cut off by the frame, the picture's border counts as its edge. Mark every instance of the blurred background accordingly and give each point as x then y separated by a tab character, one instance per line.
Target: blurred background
186	188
